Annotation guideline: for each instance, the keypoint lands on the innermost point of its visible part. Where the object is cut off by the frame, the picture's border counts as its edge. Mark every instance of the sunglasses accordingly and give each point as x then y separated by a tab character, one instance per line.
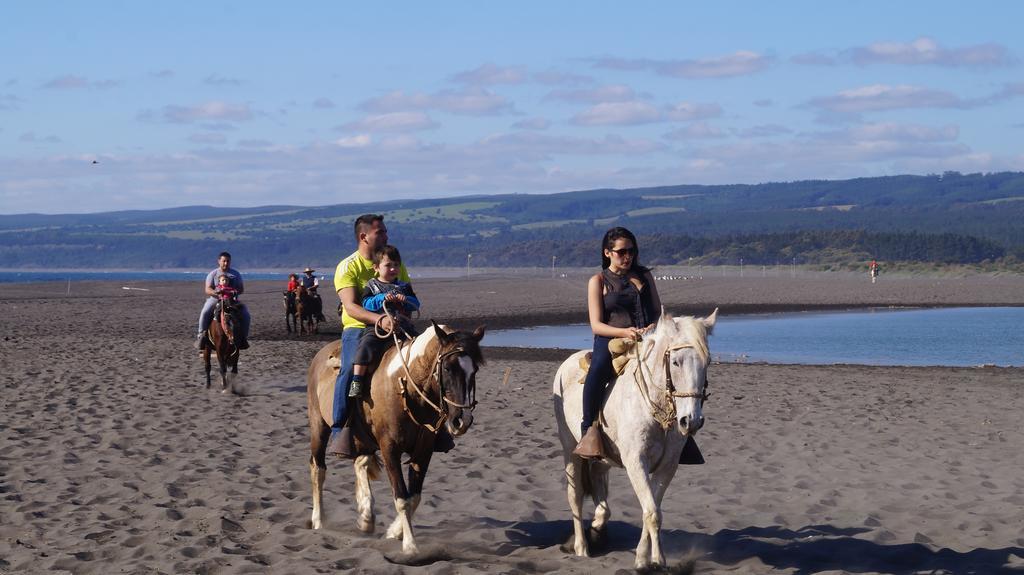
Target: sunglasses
621	252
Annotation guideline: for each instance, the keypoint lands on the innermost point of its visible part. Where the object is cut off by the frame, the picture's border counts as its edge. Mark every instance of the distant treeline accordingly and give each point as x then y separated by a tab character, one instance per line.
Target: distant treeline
947	218
808	247
841	247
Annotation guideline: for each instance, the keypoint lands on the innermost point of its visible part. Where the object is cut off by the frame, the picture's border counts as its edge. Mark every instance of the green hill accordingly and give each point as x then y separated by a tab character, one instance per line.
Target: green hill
948	218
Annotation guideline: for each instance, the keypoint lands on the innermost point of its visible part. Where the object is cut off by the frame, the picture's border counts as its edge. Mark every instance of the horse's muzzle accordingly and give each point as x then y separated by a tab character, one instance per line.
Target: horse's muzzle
691	425
460	424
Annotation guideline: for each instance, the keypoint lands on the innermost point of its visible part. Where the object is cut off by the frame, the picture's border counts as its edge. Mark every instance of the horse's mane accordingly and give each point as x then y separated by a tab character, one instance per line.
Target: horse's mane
672	330
426	346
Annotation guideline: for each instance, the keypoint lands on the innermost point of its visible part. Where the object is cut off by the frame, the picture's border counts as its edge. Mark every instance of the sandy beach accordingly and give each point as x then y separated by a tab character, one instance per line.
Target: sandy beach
115	459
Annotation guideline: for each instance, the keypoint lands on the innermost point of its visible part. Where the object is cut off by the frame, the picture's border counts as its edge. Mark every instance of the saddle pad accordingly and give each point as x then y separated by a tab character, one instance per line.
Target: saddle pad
619	348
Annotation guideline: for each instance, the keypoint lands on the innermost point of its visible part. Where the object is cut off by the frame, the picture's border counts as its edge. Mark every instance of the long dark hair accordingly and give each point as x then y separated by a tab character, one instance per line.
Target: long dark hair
619	233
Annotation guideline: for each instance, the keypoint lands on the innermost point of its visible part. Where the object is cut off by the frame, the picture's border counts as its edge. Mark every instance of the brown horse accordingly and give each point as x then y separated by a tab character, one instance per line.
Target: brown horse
220	339
308	308
290	311
427	383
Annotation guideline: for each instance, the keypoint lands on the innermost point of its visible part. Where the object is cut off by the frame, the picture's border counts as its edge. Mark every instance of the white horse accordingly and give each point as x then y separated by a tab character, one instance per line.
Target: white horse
648	413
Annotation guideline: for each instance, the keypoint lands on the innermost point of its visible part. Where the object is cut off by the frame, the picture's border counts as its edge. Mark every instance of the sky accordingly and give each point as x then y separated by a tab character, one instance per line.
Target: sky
144	105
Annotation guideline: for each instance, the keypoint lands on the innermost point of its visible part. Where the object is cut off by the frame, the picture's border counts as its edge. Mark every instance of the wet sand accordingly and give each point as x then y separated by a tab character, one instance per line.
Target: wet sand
115	458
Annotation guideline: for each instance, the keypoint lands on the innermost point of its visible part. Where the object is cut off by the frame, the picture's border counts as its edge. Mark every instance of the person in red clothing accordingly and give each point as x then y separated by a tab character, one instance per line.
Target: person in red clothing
224	289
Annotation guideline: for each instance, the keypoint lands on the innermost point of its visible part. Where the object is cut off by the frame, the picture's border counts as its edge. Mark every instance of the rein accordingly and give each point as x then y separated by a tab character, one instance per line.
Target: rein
665	416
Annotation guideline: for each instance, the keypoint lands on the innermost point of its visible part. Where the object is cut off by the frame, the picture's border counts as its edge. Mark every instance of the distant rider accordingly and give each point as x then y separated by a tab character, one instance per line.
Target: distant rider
310	281
234	280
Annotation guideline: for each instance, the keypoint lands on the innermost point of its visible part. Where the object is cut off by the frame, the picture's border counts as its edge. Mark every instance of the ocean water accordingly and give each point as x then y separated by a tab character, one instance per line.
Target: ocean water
30	276
913	337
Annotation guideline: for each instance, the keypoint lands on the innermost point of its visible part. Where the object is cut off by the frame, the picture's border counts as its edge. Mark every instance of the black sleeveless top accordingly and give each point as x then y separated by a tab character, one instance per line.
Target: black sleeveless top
626	305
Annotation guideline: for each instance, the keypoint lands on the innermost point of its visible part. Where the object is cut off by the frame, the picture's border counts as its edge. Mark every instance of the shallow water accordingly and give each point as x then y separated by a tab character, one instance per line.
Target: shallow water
941	336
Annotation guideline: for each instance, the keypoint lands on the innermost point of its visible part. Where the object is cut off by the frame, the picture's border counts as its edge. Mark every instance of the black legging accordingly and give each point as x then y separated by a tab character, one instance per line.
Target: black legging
600	373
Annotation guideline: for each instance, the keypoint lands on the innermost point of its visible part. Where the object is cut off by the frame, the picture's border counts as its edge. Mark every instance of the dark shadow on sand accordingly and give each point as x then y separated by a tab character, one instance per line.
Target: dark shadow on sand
810	549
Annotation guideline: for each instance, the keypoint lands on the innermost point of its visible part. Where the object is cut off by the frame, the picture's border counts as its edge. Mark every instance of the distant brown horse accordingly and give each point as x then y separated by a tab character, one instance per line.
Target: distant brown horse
428	383
220	339
309	310
290	311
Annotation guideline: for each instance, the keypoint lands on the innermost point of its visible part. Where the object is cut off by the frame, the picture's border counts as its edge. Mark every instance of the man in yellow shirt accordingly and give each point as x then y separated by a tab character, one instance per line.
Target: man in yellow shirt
350	278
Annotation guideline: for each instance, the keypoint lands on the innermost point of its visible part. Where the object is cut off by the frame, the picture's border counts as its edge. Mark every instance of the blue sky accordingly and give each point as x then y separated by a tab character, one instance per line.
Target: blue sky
142	105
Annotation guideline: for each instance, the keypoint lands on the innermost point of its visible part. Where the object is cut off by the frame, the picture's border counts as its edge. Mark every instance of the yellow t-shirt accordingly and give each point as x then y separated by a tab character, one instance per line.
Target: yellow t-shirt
354	271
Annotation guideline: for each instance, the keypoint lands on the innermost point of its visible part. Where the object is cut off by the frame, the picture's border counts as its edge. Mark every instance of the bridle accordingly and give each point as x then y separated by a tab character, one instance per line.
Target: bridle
438	371
666	416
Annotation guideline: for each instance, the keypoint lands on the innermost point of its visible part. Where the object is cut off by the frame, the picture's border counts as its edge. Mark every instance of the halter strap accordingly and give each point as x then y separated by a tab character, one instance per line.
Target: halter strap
664	415
438	372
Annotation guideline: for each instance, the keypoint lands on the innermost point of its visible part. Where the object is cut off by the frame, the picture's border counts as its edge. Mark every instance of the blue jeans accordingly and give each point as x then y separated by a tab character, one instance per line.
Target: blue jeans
600	373
206	316
349	344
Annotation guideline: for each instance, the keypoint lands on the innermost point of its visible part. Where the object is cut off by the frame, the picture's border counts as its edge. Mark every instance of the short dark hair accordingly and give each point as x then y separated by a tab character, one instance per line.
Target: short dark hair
224	255
364	222
388	250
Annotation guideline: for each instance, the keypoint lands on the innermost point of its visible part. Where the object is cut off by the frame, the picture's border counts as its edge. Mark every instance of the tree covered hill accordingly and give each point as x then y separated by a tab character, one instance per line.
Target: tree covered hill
948	218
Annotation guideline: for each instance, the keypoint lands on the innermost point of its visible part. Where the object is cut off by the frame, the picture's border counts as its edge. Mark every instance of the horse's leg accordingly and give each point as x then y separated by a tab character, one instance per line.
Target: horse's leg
222	360
648	550
403	503
367	520
599	493
206	364
417	475
318	435
574	470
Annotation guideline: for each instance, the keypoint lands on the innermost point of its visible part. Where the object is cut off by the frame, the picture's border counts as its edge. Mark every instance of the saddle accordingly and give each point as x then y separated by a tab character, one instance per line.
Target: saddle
231	308
619	347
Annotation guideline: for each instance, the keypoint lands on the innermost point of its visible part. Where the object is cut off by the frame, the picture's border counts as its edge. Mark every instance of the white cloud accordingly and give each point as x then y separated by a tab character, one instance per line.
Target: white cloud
468	101
360	141
739	63
926	51
532	124
923	51
596	95
764	131
491	74
208	138
884	97
74	82
618	113
560	78
696	131
687	111
215	110
391	122
218	80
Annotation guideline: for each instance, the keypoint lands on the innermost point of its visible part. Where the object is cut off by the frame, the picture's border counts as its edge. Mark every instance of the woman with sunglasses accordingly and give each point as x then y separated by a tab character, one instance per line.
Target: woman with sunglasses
622	302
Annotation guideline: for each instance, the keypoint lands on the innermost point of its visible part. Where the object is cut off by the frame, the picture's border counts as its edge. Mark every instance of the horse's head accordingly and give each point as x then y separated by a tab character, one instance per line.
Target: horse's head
458	359
682	348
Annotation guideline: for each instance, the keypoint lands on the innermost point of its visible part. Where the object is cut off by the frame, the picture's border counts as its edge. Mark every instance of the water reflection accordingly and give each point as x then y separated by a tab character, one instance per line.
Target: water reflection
943	336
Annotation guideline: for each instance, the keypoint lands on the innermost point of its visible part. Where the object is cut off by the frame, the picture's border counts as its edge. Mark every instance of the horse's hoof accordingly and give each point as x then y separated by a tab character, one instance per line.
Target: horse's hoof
366	525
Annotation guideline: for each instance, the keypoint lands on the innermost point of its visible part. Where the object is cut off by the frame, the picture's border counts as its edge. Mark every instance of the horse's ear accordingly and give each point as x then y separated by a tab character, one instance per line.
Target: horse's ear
441	335
709	322
478	333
